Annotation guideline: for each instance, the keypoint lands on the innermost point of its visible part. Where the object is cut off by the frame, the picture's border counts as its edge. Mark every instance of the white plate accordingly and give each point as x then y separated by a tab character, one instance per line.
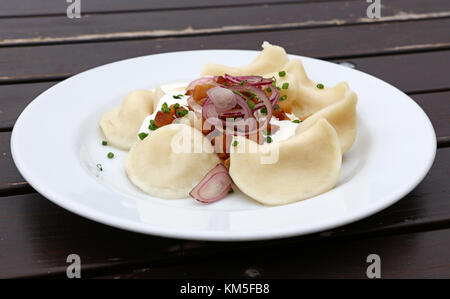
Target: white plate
56	145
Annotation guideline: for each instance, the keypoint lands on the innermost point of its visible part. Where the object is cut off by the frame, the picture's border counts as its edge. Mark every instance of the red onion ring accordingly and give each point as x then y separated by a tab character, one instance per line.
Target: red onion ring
222	98
214	186
250	80
202	81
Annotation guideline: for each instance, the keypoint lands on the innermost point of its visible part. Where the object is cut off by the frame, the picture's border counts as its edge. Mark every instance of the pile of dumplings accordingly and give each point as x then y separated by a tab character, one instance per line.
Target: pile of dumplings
308	164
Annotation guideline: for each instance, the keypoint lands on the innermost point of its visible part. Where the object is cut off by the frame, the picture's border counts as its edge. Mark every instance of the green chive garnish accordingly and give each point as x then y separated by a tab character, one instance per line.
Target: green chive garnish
99	166
269	89
235	143
252	95
282	73
297	121
176	105
142	135
320	86
264	110
269	139
110	155
238	93
242	82
182	112
277	107
178	96
251	104
104	142
282	98
231	191
153	125
285	85
278	88
274	81
165	108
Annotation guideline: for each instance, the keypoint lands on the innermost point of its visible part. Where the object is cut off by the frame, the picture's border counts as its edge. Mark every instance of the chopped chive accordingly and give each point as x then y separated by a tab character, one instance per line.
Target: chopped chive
242	82
182	112
165	108
297	121
282	98
110	155
176	105
267	133
274	81
142	135
104	142
269	139
238	93
252	95
264	110
231	191
285	85
277	107
282	73
99	166
235	143
251	104
269	89
153	125
320	86
278	88
178	96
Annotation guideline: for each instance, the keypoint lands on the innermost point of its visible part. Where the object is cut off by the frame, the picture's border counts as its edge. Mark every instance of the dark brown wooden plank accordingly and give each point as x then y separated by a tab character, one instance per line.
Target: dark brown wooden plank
437	107
56	7
14	98
37	236
10	179
417	255
124	26
59	61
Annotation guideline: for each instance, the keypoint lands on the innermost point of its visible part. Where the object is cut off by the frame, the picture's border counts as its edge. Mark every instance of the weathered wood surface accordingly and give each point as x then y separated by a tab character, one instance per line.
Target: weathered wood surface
409	47
123	26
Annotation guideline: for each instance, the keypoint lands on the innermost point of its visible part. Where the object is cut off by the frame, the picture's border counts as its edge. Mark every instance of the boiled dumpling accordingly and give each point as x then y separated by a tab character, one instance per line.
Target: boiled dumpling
170	161
308	164
271	59
303	93
121	125
341	115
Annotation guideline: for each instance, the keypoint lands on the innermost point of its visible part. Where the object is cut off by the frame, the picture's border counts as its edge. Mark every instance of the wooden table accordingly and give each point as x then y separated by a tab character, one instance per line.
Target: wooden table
409	46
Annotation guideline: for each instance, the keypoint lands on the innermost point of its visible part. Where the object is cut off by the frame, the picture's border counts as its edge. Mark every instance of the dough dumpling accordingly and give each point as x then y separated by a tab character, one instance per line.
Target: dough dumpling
157	166
303	93
271	59
341	115
308	164
121	125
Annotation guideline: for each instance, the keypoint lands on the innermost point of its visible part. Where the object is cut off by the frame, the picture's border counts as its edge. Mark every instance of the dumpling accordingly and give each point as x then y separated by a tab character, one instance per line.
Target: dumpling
271	59
308	164
170	161
121	125
341	115
303	93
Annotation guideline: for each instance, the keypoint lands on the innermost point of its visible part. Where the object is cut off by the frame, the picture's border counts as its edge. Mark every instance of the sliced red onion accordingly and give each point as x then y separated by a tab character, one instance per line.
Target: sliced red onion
222	98
250	80
201	81
273	99
214	186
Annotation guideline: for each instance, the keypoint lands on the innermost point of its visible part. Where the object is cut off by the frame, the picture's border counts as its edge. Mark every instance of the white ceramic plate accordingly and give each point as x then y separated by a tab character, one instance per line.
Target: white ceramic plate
56	145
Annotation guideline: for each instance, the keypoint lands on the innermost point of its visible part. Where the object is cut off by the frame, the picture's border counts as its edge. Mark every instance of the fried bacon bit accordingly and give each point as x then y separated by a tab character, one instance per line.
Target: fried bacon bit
163	119
286	106
200	92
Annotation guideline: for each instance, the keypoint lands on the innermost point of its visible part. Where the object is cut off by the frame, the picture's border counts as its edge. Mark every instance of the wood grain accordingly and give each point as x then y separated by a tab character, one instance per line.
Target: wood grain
417	255
59	61
55	7
37	235
142	24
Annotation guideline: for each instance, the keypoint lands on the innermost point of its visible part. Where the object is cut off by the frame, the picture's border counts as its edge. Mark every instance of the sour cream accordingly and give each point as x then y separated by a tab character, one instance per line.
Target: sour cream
170	90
